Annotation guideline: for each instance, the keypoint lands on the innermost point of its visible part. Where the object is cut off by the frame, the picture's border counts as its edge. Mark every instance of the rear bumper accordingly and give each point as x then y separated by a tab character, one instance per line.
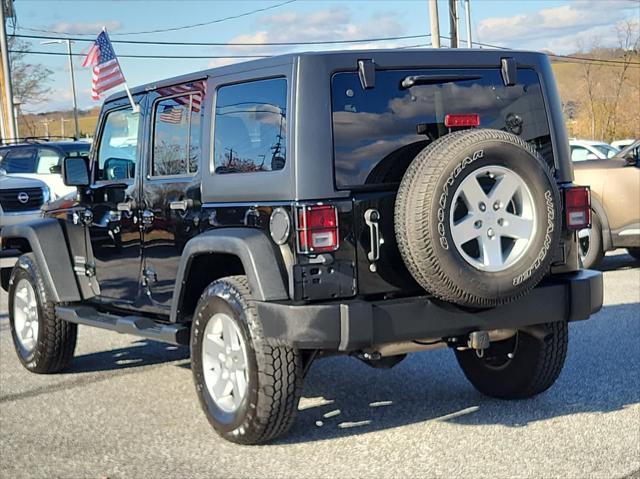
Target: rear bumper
357	324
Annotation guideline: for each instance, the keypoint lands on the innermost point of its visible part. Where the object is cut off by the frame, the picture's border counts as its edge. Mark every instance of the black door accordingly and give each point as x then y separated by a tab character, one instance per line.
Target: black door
171	193
114	230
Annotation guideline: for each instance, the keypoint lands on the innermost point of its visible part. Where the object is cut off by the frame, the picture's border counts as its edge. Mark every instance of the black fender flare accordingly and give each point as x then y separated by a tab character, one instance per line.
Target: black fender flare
607	241
49	246
254	249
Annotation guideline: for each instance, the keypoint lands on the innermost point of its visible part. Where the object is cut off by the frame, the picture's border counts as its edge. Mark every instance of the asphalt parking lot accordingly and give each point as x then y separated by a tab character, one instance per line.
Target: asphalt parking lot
127	408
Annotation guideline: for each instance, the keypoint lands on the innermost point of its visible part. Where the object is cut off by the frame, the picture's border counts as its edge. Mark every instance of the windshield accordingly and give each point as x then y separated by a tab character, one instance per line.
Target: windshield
607	150
378	131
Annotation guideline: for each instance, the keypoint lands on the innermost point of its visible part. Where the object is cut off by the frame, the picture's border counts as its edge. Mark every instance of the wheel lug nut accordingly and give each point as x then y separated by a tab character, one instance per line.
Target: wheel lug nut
500	222
478	224
490	233
497	205
482	206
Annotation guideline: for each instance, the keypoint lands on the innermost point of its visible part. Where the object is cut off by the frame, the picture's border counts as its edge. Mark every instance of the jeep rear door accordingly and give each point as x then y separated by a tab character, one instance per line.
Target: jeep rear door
378	131
171	195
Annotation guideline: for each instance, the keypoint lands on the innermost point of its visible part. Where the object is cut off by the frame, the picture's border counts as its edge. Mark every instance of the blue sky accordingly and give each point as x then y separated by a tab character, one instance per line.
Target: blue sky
557	25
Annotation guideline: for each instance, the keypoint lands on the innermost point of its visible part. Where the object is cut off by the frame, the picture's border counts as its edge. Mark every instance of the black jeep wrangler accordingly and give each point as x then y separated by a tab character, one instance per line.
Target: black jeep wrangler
366	203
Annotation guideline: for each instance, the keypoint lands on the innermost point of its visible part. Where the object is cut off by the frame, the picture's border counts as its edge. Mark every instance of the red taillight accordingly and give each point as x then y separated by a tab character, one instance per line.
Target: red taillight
463	119
577	205
317	229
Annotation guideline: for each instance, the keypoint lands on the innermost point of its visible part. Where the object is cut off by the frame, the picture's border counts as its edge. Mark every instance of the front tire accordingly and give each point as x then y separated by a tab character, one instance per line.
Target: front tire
44	344
248	386
534	365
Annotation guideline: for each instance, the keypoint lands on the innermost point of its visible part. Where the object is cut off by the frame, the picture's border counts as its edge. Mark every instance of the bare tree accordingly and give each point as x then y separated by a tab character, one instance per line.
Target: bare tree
628	41
30	80
589	74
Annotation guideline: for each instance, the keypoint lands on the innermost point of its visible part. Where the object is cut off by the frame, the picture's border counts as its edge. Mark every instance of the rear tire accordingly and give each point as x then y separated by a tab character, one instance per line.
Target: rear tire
259	400
44	344
535	366
590	244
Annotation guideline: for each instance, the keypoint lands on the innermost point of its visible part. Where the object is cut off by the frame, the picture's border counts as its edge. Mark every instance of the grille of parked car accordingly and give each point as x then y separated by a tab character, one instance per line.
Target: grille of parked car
21	199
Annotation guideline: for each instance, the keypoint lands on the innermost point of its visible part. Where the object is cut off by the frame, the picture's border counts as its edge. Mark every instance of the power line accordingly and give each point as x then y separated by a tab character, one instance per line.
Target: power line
172	29
233	44
569	57
177	57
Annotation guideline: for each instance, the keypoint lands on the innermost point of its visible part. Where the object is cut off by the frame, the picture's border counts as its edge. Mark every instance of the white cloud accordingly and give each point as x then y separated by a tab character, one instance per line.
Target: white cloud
84	28
558	28
334	24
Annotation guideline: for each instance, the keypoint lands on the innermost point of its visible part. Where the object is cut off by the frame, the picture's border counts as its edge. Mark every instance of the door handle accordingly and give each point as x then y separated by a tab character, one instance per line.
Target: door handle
181	205
147	217
371	218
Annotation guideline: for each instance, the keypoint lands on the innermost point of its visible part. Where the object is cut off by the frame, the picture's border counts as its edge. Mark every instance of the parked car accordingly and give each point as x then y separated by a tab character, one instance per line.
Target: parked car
622	144
362	203
583	150
42	160
21	200
615	203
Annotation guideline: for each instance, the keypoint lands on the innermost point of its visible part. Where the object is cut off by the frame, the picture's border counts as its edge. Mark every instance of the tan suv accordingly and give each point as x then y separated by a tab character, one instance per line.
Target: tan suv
615	204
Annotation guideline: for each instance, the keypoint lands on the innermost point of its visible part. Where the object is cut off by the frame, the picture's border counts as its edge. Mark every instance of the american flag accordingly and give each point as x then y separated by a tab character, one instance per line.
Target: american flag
197	90
171	114
106	69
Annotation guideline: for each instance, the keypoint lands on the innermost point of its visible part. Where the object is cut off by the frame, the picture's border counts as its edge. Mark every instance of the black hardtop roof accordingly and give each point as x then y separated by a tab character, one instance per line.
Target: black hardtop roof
420	57
61	144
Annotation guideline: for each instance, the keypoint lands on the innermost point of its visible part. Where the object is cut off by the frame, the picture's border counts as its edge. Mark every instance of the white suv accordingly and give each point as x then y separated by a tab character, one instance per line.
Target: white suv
42	161
583	150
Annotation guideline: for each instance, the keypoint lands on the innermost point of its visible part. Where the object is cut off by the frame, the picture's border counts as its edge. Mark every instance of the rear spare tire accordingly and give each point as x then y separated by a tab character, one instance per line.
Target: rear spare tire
477	217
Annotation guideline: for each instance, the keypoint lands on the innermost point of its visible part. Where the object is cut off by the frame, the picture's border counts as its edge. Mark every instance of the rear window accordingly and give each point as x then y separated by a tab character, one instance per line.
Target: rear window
377	132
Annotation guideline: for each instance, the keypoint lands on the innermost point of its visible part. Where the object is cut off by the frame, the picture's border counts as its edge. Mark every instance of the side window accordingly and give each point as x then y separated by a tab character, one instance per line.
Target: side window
579	153
47	158
176	136
118	146
20	160
250	127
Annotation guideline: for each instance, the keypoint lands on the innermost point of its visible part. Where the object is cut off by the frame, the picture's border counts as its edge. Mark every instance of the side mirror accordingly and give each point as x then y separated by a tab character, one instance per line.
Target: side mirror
55	169
75	171
630	159
591	156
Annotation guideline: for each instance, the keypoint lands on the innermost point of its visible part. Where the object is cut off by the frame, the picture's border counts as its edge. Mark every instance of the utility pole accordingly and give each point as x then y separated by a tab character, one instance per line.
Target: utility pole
435	23
453	22
467	14
7	93
62	125
45	122
73	81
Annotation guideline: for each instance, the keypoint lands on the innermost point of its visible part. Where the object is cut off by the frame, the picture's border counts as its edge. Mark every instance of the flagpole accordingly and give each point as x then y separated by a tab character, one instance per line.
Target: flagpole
134	106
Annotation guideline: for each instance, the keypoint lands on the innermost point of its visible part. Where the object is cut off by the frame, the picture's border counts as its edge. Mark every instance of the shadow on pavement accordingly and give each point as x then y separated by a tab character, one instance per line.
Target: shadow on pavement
141	353
344	396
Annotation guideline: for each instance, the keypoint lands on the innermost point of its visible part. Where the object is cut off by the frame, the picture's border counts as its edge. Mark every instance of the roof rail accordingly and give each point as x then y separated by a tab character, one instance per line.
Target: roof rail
35	139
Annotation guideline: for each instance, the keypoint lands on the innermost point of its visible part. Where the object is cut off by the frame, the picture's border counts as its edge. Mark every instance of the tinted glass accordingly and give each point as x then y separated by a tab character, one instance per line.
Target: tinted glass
176	140
377	132
19	160
250	127
118	146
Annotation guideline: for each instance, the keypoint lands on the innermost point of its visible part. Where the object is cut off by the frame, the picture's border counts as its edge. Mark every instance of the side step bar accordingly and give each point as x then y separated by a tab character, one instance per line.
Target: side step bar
137	325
